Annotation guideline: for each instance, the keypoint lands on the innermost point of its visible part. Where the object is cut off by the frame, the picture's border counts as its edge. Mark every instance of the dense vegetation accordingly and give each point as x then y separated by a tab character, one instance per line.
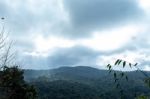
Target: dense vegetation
70	83
61	89
13	86
85	83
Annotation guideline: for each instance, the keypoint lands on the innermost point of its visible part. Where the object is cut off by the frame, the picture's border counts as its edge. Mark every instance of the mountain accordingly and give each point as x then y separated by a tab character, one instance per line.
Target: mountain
70	82
79	71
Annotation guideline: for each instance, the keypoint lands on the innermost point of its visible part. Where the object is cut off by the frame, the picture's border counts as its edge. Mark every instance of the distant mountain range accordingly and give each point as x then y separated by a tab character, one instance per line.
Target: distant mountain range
100	84
78	71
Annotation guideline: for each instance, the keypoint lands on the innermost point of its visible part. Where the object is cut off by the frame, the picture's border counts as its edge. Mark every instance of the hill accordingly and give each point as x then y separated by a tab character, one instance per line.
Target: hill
69	82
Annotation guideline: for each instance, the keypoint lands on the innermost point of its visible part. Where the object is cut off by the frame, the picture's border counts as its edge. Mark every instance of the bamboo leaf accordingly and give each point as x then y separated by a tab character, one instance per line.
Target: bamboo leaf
130	65
124	63
108	65
117	61
136	64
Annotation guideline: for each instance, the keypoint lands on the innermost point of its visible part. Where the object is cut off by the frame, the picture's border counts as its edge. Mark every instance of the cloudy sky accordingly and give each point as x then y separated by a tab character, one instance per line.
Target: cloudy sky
54	33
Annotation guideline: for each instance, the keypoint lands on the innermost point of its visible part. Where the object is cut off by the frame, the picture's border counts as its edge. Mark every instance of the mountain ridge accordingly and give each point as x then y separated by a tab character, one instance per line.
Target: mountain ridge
76	79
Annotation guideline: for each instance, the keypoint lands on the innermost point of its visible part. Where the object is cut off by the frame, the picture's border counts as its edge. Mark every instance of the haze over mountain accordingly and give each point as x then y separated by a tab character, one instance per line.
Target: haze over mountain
80	81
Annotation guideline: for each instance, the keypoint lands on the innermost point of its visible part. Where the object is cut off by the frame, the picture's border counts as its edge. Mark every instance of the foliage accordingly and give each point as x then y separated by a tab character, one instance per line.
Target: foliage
82	81
61	89
142	97
116	78
13	86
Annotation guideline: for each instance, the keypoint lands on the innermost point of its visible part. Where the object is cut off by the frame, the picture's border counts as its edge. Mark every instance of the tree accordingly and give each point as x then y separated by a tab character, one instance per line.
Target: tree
12	84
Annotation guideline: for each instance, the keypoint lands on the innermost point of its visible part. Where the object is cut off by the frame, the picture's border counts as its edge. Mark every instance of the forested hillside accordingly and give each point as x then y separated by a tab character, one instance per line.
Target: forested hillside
84	82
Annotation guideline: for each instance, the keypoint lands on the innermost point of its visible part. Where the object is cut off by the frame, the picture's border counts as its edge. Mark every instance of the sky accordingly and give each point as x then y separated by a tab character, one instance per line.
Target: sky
54	33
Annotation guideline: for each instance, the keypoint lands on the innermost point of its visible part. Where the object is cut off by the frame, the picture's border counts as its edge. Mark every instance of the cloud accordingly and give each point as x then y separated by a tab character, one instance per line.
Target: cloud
145	4
77	55
146	68
28	61
44	44
26	19
114	39
22	17
69	18
74	56
50	33
90	15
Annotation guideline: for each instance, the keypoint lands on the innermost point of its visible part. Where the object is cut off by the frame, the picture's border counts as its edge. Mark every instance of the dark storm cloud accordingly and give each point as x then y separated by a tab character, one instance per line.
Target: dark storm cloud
89	15
84	17
21	19
73	56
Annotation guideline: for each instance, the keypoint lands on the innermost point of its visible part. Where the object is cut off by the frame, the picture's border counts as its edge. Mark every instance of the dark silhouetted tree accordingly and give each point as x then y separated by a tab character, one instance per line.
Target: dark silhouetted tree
12	84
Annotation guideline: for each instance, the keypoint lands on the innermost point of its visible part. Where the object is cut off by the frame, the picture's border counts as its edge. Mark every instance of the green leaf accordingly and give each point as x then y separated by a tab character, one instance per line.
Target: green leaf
124	63
130	65
142	97
117	61
108	65
136	64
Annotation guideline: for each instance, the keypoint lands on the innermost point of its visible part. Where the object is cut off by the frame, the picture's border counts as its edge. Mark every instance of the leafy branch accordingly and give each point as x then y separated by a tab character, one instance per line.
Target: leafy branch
124	63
